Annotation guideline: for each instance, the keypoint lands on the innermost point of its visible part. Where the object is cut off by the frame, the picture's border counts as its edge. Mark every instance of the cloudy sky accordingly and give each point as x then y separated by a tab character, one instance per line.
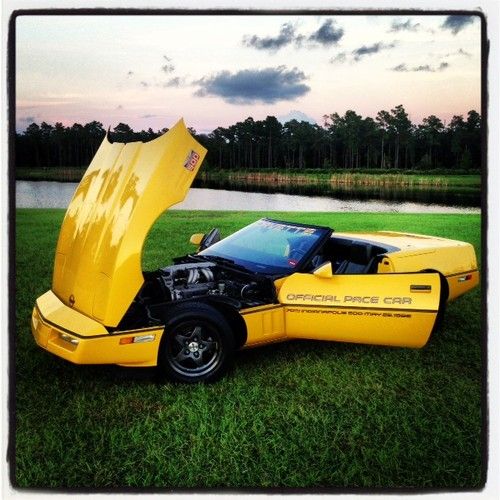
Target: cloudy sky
148	71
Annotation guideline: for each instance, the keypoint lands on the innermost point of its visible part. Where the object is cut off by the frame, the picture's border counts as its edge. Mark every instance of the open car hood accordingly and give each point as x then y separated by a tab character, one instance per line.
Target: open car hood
97	268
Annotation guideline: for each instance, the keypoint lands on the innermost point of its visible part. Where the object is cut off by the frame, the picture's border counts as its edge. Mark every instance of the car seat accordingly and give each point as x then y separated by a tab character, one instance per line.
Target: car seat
360	261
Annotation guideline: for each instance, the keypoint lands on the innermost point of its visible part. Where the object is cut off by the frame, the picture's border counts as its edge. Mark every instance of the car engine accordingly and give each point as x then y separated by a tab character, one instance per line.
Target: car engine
183	281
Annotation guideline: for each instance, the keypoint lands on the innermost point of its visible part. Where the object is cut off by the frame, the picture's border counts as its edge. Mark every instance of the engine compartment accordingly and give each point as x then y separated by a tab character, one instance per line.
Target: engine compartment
195	280
184	281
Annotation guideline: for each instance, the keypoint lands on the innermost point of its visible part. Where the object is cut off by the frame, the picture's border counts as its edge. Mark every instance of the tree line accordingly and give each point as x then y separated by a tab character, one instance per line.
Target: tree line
388	141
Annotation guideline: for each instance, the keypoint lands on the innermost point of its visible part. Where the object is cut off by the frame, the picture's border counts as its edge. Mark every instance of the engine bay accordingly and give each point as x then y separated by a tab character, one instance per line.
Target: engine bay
188	279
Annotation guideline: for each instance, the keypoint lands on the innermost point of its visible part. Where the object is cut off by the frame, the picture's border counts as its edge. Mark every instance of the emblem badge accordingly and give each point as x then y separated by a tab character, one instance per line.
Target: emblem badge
191	161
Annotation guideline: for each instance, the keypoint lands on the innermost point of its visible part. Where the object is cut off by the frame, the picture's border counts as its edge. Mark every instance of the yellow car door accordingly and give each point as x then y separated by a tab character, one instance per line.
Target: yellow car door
388	309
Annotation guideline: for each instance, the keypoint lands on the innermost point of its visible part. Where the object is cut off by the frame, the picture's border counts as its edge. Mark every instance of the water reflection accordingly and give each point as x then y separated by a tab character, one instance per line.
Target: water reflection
453	196
43	194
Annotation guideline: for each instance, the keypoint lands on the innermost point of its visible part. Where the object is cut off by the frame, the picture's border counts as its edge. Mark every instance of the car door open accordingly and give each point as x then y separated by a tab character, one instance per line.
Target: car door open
388	309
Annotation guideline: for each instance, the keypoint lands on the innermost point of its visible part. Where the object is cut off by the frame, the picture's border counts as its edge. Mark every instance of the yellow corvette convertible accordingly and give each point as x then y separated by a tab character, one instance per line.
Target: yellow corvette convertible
269	282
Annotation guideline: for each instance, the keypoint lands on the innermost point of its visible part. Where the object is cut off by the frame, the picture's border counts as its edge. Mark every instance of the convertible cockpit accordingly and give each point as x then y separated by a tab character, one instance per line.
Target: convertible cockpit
350	256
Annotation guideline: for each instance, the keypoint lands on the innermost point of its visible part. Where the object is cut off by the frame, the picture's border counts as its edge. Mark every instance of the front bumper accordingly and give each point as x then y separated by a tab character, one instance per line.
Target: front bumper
73	336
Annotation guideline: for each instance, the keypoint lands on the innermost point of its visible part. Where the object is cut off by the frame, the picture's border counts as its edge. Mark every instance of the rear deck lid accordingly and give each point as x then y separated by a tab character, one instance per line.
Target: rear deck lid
97	268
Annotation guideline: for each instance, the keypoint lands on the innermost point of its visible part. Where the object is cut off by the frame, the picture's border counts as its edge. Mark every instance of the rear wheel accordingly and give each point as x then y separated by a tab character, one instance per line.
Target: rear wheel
442	302
197	345
443	299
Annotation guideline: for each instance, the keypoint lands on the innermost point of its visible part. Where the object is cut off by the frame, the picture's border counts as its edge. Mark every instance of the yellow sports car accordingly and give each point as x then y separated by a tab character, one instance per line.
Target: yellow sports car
271	281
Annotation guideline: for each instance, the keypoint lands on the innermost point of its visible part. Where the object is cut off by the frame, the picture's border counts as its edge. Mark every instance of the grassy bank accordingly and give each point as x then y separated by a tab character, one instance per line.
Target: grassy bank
62	174
297	414
351	179
341	178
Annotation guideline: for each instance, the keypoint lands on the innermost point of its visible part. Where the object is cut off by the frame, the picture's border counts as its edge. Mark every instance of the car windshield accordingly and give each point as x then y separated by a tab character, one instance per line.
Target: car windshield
268	246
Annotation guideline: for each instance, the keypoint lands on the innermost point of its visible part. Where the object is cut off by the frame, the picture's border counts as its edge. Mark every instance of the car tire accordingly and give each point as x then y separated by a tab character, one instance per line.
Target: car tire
443	298
442	303
197	344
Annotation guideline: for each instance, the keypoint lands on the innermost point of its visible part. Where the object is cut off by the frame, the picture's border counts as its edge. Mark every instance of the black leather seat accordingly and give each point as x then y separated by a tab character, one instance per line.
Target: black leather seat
360	261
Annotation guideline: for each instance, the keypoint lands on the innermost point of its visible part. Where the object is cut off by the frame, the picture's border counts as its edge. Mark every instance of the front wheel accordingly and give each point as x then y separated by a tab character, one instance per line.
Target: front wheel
197	344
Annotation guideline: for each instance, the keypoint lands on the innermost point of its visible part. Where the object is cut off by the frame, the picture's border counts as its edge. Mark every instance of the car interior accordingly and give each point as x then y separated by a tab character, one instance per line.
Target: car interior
348	256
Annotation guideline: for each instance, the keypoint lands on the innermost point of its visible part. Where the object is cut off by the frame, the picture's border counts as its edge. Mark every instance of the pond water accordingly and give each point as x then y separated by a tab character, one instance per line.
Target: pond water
45	194
456	196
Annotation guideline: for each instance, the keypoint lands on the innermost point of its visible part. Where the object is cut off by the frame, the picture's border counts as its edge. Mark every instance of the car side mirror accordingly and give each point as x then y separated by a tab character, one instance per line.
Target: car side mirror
209	239
196	239
324	271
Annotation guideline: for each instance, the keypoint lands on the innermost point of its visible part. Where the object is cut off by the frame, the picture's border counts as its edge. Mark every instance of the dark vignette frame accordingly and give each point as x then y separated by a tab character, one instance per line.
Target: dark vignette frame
11	92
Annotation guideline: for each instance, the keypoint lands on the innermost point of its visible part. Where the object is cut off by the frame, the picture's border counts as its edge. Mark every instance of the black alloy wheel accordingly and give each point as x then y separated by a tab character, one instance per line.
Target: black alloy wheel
197	345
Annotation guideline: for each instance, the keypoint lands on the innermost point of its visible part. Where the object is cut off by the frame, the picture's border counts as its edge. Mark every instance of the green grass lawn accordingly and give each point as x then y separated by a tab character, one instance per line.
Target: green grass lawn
298	414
